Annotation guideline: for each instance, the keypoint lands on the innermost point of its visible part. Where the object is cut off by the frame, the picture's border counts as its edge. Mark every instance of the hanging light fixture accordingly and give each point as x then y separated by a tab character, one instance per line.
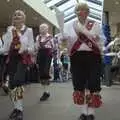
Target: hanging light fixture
77	1
8	0
117	2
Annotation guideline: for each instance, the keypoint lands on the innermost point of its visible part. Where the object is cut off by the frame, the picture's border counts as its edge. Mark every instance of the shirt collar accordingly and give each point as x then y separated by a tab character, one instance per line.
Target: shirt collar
23	28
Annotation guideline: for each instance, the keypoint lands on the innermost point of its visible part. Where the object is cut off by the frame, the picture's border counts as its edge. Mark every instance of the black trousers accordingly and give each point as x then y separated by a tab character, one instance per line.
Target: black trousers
86	68
16	71
32	74
65	66
3	68
44	62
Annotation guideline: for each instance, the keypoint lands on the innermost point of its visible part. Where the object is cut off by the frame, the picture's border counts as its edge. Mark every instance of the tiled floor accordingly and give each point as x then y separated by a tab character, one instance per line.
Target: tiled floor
60	105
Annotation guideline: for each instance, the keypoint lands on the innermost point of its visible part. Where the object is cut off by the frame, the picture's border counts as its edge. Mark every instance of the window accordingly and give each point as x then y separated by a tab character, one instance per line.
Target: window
67	6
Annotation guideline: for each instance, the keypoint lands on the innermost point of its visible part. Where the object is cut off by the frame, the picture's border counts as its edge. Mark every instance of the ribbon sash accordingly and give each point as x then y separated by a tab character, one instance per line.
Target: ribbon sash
82	38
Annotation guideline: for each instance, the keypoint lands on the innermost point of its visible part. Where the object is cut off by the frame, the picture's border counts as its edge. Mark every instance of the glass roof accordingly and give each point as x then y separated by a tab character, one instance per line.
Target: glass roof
67	6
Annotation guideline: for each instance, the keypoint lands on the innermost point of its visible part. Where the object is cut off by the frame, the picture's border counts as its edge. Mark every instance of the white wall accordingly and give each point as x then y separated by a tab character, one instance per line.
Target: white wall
43	10
113	29
114	19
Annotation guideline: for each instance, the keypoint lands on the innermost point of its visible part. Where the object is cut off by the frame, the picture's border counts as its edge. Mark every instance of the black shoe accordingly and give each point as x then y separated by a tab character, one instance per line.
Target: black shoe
45	96
90	117
0	84
13	115
19	115
5	89
16	115
83	117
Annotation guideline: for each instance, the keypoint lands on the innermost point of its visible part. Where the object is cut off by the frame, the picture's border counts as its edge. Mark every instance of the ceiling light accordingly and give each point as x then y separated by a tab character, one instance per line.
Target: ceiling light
8	0
117	2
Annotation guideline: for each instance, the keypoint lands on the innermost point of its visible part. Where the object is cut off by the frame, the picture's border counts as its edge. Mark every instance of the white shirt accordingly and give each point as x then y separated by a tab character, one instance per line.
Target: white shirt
49	44
1	44
26	39
72	37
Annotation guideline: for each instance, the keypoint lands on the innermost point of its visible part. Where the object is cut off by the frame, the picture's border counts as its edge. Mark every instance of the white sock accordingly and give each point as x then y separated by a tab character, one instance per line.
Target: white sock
7	81
91	111
7	78
84	109
18	104
6	84
46	88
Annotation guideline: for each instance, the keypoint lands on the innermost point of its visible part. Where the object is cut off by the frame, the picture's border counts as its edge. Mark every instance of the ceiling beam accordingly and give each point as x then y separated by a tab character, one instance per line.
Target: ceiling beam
44	11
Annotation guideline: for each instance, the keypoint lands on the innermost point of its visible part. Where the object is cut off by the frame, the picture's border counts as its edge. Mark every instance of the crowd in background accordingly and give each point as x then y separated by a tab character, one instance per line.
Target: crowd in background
60	66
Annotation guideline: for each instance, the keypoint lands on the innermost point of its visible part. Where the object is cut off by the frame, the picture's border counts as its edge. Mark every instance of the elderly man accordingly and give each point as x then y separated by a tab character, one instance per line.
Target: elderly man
44	47
19	44
85	49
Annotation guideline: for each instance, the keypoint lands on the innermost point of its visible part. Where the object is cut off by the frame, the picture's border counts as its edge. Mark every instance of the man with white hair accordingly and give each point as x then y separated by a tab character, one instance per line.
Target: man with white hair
85	48
44	47
19	44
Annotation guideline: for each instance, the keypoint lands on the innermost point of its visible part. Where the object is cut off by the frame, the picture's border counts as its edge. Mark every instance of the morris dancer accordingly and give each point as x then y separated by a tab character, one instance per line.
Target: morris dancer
85	46
44	46
20	45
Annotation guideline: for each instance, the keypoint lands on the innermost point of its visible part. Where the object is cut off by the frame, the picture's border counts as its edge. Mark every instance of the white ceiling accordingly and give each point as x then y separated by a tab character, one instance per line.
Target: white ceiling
67	6
8	8
34	19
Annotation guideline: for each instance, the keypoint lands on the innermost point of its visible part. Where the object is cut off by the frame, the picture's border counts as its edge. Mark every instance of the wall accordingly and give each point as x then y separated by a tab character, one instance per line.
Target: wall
113	29
43	10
